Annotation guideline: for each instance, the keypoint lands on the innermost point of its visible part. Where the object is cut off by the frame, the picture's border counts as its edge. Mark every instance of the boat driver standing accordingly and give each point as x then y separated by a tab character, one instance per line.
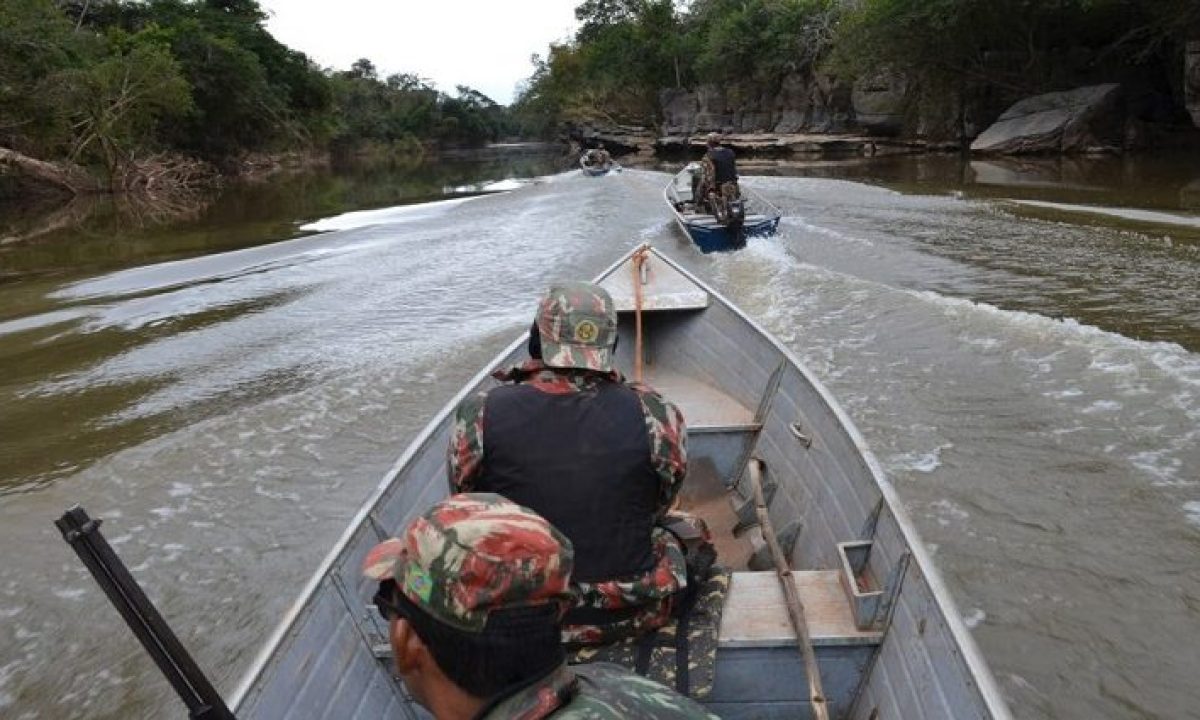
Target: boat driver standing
473	593
720	170
600	458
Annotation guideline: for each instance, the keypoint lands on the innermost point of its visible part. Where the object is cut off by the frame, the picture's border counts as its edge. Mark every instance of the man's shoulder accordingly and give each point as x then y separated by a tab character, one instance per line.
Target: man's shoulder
653	400
472	405
610	691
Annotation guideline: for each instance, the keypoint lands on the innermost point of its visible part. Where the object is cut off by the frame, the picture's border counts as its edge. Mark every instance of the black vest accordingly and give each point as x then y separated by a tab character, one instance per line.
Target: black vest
582	461
724	164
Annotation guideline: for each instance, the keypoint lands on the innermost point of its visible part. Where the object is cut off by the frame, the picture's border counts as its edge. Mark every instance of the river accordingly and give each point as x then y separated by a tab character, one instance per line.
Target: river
1018	343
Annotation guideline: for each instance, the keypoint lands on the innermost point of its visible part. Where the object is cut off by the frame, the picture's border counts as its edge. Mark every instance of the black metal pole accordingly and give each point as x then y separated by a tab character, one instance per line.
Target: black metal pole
83	534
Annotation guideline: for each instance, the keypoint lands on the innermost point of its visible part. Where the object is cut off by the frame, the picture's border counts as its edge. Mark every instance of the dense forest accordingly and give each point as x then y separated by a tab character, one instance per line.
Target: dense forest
626	51
121	94
130	88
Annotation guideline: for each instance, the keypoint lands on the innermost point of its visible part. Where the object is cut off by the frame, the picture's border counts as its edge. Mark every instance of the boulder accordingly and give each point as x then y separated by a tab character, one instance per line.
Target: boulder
1085	119
1191	81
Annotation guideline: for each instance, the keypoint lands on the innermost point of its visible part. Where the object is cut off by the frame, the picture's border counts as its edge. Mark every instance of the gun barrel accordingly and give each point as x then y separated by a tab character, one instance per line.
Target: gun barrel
84	536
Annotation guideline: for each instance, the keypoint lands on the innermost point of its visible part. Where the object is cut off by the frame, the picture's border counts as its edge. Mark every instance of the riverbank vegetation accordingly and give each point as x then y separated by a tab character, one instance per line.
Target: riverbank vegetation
161	96
626	51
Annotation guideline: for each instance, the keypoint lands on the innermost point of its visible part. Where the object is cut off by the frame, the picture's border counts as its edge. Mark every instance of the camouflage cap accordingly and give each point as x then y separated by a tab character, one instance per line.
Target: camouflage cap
473	553
578	325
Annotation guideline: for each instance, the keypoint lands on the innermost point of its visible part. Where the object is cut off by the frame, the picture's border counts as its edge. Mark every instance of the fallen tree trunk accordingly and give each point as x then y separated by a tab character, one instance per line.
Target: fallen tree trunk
71	178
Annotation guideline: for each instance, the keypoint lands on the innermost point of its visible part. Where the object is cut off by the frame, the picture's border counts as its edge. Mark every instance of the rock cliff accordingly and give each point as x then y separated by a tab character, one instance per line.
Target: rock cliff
814	112
1191	75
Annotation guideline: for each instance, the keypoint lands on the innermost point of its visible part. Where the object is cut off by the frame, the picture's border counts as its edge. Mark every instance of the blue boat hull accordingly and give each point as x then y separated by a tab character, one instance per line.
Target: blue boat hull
719	239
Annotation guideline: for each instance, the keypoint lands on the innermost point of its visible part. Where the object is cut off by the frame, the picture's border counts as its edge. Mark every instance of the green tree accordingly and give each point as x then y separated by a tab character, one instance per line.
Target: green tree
118	101
37	45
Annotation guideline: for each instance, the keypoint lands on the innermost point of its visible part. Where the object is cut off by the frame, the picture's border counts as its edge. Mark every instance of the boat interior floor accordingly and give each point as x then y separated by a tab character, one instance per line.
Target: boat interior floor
704	407
704	494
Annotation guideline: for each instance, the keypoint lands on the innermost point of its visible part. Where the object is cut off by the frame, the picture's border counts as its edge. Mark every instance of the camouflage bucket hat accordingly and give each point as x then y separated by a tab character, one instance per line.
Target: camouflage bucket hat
578	325
473	553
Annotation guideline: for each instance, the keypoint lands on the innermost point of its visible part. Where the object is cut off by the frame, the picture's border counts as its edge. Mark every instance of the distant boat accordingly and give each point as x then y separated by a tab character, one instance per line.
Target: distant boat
595	169
887	639
705	229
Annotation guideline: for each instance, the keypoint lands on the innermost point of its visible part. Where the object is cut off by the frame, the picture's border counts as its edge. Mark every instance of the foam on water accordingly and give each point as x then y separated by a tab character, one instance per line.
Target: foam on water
974	617
508	184
919	462
797	223
1087	371
7	671
388	216
946	512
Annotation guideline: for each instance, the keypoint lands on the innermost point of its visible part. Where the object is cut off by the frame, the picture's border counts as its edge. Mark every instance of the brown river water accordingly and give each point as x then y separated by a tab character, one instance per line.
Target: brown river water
1018	342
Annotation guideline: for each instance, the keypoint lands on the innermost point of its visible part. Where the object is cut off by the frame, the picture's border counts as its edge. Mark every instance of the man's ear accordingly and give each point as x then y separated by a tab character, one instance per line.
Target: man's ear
408	651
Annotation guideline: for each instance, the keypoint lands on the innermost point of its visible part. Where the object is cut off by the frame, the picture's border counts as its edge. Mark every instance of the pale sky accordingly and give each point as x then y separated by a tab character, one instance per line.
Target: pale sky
485	44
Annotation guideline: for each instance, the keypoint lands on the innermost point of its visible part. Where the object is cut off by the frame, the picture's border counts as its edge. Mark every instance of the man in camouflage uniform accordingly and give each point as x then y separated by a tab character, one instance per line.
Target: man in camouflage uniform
720	173
473	593
599	458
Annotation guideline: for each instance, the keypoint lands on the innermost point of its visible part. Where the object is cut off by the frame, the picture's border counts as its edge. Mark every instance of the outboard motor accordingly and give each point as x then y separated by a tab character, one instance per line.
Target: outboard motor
736	220
737	213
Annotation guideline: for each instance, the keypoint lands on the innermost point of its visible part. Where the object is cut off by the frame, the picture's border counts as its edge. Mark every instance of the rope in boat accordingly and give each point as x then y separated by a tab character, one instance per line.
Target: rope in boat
795	608
639	259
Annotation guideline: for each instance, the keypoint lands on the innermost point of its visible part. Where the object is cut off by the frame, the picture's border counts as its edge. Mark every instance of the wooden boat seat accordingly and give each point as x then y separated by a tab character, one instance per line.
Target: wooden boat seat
760	673
755	615
704	408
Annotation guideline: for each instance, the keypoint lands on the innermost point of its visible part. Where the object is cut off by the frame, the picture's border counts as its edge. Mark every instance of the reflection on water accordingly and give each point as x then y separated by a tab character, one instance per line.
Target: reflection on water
98	236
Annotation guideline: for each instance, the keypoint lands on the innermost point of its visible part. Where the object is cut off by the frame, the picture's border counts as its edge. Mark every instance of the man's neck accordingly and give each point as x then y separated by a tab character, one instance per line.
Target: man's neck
454	704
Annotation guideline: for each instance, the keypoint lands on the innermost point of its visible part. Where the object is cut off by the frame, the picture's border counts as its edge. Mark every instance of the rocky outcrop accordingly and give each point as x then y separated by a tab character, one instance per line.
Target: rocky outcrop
1086	119
815	113
617	139
793	144
803	103
1191	80
878	103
